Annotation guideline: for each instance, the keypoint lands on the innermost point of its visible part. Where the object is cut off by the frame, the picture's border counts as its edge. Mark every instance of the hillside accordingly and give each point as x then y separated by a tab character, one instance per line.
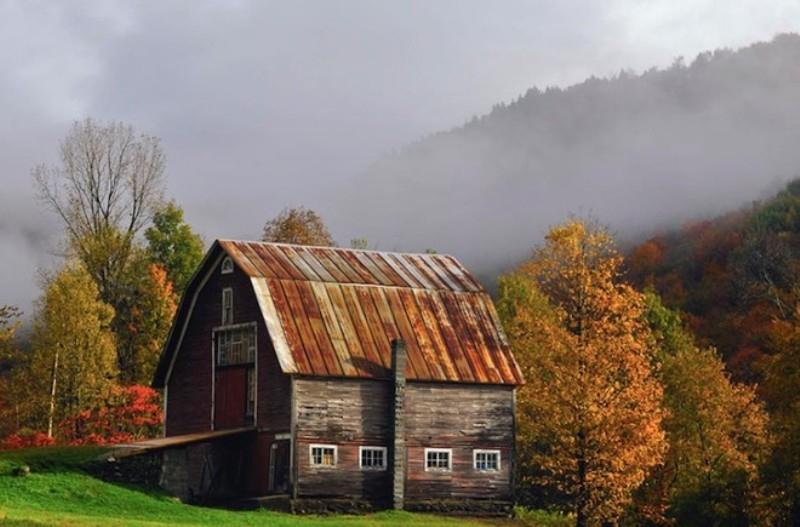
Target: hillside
59	492
638	151
734	277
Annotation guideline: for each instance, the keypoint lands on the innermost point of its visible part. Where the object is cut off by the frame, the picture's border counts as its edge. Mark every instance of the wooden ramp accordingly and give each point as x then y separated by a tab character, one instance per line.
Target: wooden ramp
163	443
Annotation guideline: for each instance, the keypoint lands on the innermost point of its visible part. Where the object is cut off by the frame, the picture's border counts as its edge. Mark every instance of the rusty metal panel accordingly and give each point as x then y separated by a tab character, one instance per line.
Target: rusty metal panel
364	332
386	269
324	357
336	273
433	360
409	280
425	270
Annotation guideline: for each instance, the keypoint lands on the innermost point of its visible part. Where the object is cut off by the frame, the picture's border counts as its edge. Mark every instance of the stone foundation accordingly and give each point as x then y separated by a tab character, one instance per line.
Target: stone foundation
462	507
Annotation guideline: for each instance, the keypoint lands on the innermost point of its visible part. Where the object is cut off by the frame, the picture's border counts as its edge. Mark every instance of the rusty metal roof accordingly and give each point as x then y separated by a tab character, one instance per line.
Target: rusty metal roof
334	312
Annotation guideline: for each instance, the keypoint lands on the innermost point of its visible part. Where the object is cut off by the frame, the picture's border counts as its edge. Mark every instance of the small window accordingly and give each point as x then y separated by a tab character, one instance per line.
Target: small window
486	460
227	265
372	457
323	455
438	459
227	306
236	346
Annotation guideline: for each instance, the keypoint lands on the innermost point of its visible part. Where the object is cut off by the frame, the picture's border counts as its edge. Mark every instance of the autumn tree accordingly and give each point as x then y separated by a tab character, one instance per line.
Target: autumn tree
10	363
780	390
173	245
145	315
9	324
590	415
717	435
105	189
73	362
298	225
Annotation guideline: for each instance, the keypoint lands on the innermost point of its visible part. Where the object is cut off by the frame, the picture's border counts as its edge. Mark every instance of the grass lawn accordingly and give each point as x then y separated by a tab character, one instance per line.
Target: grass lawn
58	493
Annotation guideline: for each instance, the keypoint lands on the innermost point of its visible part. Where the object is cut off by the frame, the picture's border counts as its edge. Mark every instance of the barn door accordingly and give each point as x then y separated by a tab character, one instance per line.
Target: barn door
279	467
230	399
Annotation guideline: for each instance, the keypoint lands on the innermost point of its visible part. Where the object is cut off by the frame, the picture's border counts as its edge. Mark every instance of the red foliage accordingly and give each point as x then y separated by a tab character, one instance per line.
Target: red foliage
26	439
131	413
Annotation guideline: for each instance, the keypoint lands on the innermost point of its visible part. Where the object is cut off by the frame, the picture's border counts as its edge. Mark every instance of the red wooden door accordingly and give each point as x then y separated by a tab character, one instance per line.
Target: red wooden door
230	402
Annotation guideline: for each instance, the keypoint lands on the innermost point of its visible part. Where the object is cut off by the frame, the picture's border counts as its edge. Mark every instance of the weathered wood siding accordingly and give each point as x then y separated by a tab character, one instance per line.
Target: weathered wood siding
461	417
346	413
349	413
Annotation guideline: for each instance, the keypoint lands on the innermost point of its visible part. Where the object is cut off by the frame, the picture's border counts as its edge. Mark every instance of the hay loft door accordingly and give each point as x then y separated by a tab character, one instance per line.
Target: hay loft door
234	376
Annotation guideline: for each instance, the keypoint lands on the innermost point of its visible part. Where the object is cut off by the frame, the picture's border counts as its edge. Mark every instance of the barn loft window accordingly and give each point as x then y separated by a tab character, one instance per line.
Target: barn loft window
227	265
227	306
372	457
323	455
486	460
236	346
439	459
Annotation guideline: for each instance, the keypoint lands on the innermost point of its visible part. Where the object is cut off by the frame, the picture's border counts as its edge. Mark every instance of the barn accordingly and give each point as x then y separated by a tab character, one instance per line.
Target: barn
328	376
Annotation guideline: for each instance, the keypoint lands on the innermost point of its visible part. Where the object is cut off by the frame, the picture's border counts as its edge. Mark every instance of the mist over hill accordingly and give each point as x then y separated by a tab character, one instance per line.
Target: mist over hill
636	151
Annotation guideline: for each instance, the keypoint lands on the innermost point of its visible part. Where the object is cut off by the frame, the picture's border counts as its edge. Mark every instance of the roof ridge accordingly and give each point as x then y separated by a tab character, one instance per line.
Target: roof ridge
350	249
381	286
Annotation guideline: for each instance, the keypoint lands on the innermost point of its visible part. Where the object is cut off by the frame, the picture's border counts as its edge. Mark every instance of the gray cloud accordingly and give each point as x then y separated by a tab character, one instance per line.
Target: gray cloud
266	104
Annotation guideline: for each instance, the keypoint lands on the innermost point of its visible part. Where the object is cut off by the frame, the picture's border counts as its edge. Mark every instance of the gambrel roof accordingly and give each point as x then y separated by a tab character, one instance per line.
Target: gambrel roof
334	312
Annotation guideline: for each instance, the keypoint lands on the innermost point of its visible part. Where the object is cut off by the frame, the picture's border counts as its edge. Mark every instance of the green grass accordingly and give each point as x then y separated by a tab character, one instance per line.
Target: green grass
59	493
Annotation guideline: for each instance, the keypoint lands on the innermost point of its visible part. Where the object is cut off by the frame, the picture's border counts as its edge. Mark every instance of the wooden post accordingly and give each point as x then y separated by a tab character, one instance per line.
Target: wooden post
398	424
53	383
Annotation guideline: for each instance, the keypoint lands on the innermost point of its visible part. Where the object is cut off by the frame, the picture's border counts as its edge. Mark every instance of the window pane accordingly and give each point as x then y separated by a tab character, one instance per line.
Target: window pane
487	460
438	459
323	456
373	457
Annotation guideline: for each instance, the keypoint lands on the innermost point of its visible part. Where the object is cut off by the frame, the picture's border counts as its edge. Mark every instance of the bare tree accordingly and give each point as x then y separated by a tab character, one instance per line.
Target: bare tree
105	188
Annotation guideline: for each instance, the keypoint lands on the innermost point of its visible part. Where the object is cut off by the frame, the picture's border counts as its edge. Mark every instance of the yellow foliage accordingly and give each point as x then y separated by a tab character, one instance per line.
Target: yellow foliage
590	416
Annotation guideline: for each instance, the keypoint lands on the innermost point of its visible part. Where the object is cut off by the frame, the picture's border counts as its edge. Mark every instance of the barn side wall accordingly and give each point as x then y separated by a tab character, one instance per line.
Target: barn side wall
462	417
349	413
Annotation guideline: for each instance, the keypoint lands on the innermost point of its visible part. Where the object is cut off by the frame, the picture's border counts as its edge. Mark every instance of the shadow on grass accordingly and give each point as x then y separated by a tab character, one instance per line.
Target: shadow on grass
50	459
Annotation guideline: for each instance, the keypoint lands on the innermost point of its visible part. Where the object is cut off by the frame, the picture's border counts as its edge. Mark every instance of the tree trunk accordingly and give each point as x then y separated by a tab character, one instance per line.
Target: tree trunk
582	498
53	385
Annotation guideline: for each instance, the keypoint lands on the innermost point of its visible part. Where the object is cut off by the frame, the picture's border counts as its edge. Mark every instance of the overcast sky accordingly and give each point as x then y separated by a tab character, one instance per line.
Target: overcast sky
261	105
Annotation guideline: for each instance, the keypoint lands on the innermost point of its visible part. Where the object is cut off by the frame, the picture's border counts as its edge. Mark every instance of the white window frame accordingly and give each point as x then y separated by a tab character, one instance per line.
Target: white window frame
227	322
448	451
311	463
485	451
227	265
382	449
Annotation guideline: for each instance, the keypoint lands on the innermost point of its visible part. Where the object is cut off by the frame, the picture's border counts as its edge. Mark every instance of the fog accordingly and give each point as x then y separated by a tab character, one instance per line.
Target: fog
636	152
262	105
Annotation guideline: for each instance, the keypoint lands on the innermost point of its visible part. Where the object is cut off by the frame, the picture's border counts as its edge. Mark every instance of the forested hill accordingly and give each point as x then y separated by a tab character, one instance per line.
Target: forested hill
637	151
736	278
